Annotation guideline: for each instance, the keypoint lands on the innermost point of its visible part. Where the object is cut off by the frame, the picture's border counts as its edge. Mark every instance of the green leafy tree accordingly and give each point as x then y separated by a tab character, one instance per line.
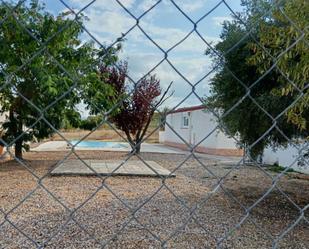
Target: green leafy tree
247	121
91	122
71	119
54	68
288	27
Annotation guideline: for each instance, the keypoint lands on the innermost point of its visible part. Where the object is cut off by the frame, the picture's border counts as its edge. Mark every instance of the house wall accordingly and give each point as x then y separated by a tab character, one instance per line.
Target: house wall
201	124
284	157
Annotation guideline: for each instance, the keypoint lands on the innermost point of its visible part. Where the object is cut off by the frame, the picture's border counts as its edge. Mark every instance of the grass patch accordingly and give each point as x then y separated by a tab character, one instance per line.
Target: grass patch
278	169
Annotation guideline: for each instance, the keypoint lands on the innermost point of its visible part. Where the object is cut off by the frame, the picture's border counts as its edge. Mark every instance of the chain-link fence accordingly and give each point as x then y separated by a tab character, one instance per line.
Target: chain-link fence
211	203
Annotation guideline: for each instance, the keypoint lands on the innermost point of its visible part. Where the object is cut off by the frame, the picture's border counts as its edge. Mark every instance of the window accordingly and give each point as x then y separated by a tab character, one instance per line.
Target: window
185	120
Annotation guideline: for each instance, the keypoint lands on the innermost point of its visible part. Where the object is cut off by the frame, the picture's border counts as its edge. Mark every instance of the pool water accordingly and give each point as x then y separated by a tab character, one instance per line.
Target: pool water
98	144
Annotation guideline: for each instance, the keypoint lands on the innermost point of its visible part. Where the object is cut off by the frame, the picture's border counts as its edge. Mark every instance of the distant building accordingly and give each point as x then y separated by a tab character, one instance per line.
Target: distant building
193	124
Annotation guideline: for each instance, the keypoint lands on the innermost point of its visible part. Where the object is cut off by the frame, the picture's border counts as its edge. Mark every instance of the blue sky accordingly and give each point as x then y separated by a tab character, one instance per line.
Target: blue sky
166	26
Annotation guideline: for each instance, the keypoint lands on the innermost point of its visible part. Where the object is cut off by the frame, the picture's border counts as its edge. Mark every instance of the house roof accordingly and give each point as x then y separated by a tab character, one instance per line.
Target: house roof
188	109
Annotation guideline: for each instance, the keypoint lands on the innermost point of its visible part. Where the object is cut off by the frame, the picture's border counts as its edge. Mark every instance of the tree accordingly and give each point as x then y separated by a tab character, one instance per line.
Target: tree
91	122
294	63
71	119
247	120
31	77
136	109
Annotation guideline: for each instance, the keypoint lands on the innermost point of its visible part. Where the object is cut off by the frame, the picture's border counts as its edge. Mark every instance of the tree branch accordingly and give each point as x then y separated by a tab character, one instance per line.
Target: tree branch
154	108
129	137
163	96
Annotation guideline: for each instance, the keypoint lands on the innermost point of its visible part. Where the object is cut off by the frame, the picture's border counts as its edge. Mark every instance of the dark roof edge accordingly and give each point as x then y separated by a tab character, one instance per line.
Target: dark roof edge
188	109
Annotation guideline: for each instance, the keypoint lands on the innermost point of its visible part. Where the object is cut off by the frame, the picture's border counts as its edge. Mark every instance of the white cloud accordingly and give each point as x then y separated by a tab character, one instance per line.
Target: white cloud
127	3
186	5
168	37
192	68
219	20
146	4
108	20
189	6
105	4
111	22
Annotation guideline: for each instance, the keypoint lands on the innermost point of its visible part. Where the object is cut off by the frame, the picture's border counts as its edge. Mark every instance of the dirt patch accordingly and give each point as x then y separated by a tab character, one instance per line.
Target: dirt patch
141	212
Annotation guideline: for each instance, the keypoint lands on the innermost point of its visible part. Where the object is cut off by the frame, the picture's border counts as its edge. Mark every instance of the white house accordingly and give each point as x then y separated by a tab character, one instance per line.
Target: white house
193	124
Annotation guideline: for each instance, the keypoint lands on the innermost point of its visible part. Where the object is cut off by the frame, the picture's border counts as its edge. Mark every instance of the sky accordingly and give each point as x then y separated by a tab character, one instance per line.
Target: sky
166	26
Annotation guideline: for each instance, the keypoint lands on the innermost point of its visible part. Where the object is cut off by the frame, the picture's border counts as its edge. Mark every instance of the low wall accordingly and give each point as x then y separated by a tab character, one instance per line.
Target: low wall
211	151
161	137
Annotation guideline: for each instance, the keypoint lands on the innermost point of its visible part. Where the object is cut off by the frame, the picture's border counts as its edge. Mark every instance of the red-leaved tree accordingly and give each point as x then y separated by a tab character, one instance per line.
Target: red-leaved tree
136	104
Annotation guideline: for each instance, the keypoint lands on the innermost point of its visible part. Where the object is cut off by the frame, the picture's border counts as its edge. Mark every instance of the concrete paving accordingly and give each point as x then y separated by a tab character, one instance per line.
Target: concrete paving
129	168
51	146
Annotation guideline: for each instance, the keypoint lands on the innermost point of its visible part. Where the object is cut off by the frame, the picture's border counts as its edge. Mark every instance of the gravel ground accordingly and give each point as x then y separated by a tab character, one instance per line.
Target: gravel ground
106	218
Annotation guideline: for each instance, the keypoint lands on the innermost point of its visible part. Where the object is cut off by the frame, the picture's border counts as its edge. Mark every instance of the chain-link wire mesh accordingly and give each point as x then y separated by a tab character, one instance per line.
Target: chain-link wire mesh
77	223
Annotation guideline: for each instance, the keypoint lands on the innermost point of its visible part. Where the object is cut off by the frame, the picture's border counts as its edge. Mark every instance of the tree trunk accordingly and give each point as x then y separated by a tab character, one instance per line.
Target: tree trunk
16	129
136	149
19	149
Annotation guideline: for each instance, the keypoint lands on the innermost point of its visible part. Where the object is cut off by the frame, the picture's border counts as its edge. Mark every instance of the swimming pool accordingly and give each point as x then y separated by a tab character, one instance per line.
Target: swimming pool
98	144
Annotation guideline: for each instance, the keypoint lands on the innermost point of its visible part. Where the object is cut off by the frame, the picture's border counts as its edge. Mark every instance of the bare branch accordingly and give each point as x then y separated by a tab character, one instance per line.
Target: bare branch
163	96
